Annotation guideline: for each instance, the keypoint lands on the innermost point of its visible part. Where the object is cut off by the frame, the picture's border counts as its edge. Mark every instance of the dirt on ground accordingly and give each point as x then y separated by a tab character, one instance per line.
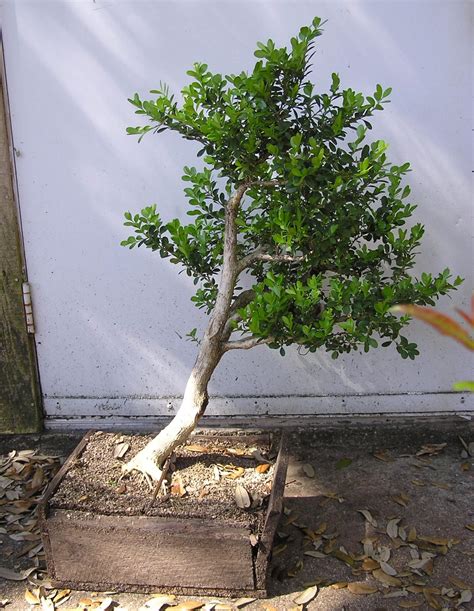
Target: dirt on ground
201	482
378	515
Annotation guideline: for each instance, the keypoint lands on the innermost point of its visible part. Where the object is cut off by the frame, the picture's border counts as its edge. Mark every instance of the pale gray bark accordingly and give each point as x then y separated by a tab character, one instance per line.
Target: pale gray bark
151	458
247	342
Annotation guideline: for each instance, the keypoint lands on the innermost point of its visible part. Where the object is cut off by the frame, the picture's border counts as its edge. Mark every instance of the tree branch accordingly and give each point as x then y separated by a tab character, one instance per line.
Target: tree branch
246	343
240	301
265	183
280	258
260	255
230	267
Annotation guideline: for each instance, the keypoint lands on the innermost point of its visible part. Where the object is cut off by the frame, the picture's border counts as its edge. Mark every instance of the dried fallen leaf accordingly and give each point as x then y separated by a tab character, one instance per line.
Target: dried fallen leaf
465	597
369	564
61	596
441	485
430	599
15	575
411	535
31	598
383	554
402	499
295	569
305	597
48	605
396	594
383	455
160	601
388	580
308	470
108	604
291	519
435	540
196	448
469	526
177	486
315	554
263	468
331	496
392	528
37	480
321	528
86	602
462	585
386	568
343	557
188	604
121	449
360	587
425	563
402	533
278	549
431	449
410	604
368	516
241	602
242	497
236	473
338	585
235	451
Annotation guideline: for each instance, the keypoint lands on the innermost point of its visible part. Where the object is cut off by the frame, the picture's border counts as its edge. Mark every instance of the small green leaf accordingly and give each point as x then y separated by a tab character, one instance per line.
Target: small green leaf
343	463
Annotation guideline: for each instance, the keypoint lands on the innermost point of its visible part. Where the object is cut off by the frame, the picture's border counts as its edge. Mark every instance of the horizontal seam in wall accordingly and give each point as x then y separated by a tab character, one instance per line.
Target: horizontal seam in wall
272	396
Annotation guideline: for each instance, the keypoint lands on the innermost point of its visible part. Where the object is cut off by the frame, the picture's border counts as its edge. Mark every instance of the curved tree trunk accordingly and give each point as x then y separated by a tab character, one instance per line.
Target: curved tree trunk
195	400
215	342
150	460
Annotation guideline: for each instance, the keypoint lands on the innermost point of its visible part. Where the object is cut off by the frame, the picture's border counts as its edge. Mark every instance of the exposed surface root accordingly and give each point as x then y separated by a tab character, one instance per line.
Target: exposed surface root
144	465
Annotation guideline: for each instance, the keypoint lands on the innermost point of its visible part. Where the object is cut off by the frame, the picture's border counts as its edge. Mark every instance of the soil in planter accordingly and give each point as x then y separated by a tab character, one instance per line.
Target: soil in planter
203	483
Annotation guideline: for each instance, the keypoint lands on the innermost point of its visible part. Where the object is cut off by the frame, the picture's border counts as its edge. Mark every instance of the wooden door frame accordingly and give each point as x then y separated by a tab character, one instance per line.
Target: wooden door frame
20	393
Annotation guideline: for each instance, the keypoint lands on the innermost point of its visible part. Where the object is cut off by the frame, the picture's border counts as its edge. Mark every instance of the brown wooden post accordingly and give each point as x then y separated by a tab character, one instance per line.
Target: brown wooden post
20	396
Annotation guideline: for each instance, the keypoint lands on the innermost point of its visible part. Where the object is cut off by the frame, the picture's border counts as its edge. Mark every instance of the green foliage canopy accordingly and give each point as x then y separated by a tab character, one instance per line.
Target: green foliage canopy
322	232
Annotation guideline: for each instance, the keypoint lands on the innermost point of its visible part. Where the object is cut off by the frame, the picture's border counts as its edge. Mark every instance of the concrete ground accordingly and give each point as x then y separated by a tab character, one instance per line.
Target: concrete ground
392	470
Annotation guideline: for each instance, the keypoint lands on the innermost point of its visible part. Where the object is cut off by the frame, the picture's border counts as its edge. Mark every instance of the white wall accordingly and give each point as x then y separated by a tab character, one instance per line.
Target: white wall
108	319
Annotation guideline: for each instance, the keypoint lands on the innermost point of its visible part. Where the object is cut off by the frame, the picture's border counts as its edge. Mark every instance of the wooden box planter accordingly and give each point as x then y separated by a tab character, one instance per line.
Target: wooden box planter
88	551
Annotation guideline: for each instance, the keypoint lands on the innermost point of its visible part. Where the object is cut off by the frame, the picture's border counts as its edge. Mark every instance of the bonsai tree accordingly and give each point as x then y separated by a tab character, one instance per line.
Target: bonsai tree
292	199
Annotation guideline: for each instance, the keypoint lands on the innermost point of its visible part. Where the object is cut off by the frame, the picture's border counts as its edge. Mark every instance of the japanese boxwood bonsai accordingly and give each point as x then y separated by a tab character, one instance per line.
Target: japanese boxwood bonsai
292	195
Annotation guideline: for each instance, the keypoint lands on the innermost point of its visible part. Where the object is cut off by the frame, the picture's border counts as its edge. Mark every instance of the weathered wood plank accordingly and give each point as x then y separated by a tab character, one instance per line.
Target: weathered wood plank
140	550
274	511
20	398
57	479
